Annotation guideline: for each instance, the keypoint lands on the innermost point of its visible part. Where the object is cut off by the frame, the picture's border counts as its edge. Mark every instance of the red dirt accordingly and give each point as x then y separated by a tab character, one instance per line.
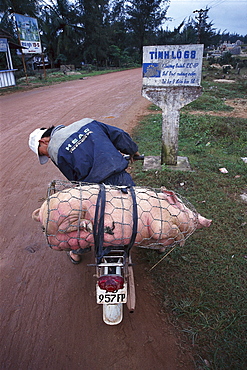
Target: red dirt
49	316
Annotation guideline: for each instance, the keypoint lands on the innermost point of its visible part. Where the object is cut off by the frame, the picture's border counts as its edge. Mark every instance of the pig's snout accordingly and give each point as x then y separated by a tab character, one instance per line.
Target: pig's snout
35	215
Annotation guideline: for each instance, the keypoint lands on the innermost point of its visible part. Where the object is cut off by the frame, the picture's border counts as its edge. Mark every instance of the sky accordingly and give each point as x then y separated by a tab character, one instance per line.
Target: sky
226	15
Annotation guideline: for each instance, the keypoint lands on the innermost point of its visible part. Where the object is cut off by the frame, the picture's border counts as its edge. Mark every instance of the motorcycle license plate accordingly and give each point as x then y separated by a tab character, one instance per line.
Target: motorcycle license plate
104	297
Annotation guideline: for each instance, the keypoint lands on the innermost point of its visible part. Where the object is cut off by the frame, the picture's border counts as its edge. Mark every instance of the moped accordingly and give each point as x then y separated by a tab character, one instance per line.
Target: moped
115	284
115	276
114	269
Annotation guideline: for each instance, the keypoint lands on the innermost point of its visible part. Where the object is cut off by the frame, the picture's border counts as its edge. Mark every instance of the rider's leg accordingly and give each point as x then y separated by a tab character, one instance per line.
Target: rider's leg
74	258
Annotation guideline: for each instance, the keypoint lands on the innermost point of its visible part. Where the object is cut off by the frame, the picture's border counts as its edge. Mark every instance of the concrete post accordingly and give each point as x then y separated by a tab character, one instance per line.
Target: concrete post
170	100
171	79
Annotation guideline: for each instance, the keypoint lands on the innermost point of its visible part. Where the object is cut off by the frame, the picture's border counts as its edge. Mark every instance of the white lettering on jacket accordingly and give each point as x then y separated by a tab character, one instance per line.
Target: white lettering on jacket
76	142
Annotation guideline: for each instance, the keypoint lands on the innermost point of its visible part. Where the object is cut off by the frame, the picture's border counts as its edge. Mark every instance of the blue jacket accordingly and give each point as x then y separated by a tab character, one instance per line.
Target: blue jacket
89	151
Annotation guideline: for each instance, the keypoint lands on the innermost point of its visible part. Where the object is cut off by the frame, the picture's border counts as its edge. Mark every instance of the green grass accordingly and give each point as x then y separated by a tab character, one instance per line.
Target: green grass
208	103
203	284
215	94
226	90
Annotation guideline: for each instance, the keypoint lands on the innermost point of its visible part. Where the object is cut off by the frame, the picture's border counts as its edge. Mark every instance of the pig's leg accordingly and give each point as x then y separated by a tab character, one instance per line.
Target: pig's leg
173	236
166	234
73	226
203	222
35	215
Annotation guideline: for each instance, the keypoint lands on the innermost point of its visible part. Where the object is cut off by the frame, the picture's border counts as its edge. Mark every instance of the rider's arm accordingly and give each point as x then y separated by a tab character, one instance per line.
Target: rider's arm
120	139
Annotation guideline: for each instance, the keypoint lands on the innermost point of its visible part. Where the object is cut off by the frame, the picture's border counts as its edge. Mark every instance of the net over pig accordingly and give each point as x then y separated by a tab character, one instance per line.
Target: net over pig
69	216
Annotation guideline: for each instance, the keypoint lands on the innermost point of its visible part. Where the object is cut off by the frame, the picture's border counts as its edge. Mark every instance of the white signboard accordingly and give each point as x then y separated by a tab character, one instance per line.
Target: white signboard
172	65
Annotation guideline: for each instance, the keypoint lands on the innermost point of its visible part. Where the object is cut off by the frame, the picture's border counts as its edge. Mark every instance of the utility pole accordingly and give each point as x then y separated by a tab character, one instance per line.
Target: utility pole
200	19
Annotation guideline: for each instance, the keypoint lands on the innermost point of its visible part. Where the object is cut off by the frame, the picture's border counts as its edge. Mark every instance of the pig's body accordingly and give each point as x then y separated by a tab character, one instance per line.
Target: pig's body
68	217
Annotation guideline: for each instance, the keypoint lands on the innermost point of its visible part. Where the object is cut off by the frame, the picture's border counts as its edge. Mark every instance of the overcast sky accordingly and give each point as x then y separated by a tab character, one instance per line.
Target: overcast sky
226	15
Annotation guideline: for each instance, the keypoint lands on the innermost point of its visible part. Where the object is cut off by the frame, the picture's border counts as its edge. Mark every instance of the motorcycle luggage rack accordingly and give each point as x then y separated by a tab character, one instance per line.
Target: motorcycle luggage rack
120	252
112	264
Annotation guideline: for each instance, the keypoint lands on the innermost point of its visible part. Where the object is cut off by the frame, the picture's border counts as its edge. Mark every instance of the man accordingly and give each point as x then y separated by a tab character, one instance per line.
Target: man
87	151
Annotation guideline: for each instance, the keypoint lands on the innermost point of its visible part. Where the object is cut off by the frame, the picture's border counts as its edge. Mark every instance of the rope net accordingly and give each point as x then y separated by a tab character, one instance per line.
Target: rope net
68	216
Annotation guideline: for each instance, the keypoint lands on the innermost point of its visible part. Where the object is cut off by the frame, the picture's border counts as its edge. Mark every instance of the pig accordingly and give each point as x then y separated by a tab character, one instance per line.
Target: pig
67	217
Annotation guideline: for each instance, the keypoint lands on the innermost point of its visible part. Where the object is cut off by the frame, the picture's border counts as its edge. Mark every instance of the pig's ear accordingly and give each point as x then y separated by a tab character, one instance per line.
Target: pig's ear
170	196
35	215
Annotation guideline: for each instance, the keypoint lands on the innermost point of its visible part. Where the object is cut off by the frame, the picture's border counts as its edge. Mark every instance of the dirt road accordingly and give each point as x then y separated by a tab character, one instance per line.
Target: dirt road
49	316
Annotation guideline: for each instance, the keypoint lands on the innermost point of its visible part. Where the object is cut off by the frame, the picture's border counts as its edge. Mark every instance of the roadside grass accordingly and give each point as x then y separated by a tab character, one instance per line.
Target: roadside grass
215	93
203	284
208	103
226	90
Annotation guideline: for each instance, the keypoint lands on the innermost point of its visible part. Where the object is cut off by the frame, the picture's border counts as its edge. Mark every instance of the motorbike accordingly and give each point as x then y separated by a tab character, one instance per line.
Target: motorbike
114	269
115	277
115	285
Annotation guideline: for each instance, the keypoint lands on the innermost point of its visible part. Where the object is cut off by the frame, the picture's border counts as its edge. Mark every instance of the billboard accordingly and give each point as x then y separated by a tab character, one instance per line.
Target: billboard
28	34
172	65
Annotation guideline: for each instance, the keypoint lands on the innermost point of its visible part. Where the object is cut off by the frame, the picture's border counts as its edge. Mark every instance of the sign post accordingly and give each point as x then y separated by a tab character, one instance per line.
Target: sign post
171	80
28	35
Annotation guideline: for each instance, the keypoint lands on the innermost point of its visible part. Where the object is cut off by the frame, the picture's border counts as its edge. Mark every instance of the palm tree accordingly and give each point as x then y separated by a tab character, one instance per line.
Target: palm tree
25	7
8	7
144	18
61	32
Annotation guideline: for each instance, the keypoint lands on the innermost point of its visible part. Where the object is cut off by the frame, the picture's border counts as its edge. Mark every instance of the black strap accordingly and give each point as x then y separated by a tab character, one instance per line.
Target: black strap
135	220
98	229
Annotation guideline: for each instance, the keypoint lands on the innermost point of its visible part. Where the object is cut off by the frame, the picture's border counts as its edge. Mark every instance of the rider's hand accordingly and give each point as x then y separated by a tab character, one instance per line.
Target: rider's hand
132	156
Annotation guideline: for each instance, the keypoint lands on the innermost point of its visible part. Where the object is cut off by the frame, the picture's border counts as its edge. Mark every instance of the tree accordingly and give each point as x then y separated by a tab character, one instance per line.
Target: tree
95	20
7	21
205	32
188	35
166	37
25	7
107	32
118	34
144	17
193	32
8	7
233	37
61	33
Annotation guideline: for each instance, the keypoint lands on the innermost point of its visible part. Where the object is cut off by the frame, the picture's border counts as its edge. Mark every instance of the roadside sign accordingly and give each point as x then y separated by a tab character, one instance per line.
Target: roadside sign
171	79
28	34
172	65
